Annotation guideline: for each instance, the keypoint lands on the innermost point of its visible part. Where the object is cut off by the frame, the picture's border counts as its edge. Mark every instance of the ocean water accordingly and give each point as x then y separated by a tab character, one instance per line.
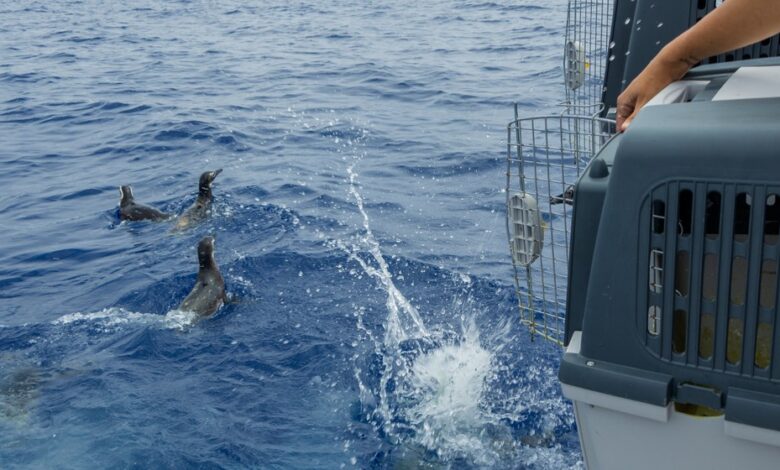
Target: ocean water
359	221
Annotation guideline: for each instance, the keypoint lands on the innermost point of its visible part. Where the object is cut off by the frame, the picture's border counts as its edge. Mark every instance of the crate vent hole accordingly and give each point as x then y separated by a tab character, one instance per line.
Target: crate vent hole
656	271
710	277
707	336
685	212
681	275
659	216
679	331
712	215
734	341
742	217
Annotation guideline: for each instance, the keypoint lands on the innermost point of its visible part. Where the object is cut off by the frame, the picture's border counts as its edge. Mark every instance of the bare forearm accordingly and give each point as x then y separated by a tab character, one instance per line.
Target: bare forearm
735	24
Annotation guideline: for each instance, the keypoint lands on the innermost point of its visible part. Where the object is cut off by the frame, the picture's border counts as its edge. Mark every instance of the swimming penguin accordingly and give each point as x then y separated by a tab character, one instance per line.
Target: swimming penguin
208	294
567	197
200	210
131	210
18	393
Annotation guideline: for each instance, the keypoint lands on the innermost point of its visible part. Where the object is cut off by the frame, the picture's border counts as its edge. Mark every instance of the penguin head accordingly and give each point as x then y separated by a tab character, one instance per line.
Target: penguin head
125	195
567	197
206	178
206	252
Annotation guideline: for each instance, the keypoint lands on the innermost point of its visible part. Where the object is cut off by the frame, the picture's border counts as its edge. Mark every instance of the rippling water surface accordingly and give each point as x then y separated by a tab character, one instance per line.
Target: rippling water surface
359	227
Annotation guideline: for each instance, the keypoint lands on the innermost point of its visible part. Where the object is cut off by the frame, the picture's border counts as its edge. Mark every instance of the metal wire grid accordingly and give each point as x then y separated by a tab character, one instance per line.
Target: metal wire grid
545	157
588	30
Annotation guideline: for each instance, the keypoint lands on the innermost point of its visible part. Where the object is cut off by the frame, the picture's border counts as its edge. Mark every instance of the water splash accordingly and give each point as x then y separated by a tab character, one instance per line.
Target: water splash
110	318
449	381
397	304
403	320
432	381
441	391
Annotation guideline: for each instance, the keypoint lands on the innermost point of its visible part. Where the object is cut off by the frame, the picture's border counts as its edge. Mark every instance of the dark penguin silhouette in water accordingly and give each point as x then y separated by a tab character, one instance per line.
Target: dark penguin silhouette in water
131	210
202	206
208	294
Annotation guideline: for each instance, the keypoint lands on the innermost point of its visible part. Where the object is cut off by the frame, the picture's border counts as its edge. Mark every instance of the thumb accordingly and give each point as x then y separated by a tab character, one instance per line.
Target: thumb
625	110
626	122
638	105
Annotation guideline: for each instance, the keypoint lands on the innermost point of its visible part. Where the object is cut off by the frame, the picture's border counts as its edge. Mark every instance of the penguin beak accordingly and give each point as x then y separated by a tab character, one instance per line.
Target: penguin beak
215	173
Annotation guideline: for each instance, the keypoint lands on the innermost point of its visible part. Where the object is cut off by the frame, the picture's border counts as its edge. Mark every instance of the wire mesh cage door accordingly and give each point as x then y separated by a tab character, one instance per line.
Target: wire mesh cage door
545	157
586	52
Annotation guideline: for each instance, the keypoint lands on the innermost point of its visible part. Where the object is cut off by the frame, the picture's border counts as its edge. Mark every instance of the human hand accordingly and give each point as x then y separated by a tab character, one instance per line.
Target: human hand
655	77
734	24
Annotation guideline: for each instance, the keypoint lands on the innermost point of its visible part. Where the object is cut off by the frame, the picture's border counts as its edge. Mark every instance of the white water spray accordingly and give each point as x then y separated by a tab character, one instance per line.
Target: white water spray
112	317
438	394
397	304
450	381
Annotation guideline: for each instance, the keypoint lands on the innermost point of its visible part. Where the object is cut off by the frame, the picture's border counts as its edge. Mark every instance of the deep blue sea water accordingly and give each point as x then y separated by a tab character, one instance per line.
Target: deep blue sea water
359	222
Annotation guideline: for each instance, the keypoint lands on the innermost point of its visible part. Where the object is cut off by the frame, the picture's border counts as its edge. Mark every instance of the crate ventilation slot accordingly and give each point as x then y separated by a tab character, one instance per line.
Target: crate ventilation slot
710	283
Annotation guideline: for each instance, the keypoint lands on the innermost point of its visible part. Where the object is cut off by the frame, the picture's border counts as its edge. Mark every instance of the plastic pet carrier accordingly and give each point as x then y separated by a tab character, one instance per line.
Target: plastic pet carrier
653	256
672	328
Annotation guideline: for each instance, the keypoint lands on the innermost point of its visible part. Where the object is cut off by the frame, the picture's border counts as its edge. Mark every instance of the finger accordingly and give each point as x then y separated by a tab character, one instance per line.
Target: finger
638	105
623	112
627	122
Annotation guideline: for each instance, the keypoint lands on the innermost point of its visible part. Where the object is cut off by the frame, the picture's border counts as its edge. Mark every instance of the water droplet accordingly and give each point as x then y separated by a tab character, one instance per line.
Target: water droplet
628	52
628	20
657	43
612	57
612	45
639	21
660	24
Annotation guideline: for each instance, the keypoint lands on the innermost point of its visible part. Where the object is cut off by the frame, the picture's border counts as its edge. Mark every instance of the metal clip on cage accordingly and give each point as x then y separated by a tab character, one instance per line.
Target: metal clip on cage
545	157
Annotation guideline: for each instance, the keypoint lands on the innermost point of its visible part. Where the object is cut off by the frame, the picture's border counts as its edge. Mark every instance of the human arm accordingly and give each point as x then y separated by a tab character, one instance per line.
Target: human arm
734	24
